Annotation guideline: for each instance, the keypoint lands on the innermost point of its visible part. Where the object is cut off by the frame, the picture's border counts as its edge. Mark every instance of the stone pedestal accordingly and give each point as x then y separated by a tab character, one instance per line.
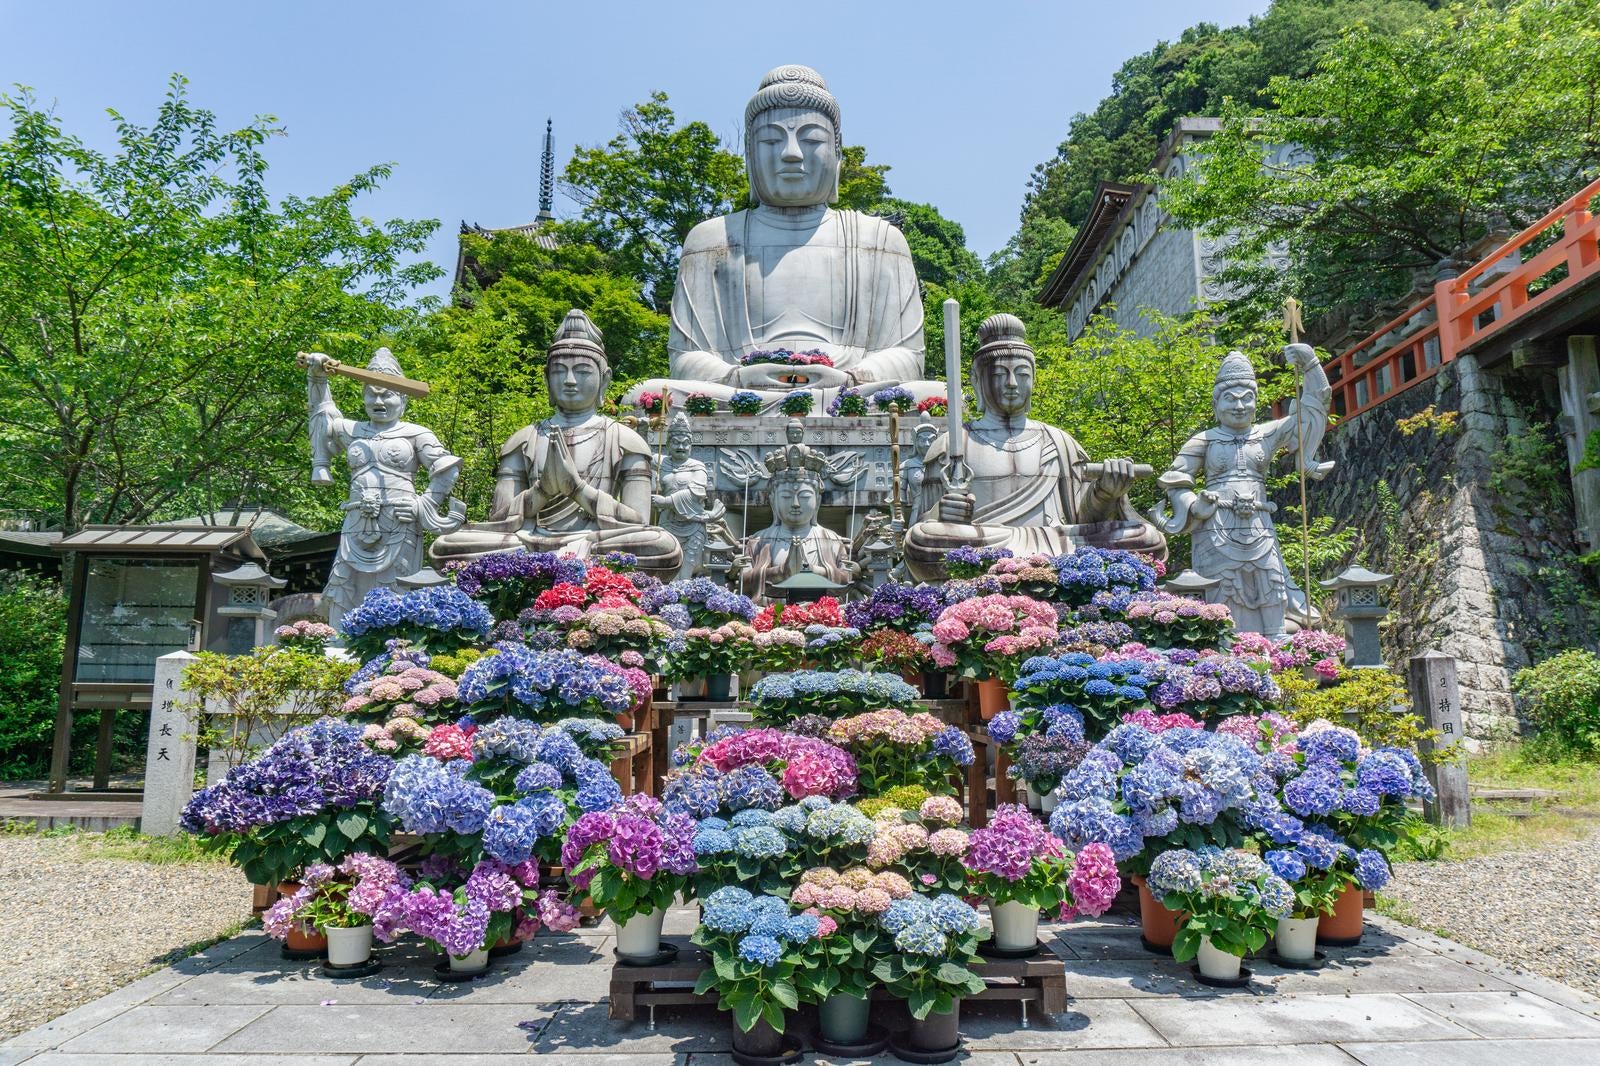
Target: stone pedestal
170	752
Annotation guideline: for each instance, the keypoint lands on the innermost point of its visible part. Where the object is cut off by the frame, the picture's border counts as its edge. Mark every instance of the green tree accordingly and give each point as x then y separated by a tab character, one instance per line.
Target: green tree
484	356
1415	144
862	185
33	629
151	302
1121	394
645	189
1194	75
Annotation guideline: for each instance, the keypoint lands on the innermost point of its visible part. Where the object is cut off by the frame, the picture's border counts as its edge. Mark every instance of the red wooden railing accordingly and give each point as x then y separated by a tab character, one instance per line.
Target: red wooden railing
1413	346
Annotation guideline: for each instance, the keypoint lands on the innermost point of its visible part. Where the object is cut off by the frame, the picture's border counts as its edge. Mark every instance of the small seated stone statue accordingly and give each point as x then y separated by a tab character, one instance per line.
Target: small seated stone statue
578	481
1029	490
798	473
385	516
793	273
1230	516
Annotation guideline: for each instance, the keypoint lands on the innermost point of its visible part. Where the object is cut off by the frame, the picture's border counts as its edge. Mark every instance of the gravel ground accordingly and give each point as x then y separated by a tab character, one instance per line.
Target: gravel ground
74	929
1539	910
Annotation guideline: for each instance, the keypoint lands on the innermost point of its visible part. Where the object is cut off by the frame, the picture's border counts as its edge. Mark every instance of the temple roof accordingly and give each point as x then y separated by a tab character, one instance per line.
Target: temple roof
1111	201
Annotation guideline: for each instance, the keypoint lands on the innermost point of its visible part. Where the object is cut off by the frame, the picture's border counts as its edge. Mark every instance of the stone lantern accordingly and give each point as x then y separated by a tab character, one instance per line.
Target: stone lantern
250	589
806	585
1359	604
427	577
1189	583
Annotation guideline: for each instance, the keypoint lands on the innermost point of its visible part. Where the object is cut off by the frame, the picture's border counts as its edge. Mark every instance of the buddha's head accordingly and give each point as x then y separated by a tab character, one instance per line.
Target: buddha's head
1003	367
680	438
384	406
1233	397
796	498
576	372
792	144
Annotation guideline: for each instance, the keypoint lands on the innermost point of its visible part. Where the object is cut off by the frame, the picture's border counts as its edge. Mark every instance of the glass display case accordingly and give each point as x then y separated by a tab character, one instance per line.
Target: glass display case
134	611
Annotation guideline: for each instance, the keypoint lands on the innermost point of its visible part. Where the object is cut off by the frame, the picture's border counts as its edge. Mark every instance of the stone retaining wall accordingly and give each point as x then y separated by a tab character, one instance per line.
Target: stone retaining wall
1485	571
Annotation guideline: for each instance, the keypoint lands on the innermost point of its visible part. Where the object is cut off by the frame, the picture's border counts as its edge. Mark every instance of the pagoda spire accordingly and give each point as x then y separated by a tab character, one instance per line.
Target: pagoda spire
547	174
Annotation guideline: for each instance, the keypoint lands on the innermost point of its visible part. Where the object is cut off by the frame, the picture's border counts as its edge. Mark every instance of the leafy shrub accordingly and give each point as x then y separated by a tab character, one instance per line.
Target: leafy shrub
1371	701
33	631
1561	697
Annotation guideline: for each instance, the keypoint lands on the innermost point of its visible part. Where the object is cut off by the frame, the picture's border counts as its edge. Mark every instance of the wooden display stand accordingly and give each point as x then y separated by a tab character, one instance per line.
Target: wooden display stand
1040	982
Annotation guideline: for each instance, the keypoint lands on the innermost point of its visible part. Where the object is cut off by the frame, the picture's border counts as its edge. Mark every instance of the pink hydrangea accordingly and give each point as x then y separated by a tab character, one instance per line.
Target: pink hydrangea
1094	882
448	742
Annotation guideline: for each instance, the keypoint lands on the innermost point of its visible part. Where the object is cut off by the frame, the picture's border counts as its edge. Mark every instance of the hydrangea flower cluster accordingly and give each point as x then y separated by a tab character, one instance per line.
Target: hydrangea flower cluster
1101	690
895	651
823	612
436	618
402	690
785	357
802	765
985	635
707	603
969	561
309	770
1211	874
894	398
542	684
305	634
397	736
641	839
1215	685
458	919
857	892
360	885
1136	786
923	843
1103	577
507	582
1043	759
893	748
896	605
781	696
1169	621
614	630
1009	845
923	925
1308	647
761	929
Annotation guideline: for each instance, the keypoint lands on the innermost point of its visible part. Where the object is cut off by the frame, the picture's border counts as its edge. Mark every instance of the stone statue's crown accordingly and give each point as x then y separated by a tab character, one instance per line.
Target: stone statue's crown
679	427
796	462
384	362
578	336
1002	334
793	85
1235	370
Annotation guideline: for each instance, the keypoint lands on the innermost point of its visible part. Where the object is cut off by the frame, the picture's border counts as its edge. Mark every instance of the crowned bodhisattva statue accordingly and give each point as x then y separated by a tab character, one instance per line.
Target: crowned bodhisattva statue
791	272
578	481
385	516
684	505
1032	487
1230	516
794	541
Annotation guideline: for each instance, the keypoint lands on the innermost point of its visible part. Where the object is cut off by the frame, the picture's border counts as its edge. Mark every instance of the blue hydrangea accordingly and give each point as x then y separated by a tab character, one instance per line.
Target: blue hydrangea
710	842
801	928
761	949
1003	726
1174	872
750	786
1360	801
751	817
951	915
1315	792
538	777
727	910
759	842
1336	744
1385	773
1093	820
509	833
1286	864
1372	869
922	939
953	743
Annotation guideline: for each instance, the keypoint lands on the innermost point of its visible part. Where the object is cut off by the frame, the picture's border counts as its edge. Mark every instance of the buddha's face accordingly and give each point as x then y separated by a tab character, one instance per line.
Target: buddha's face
575	383
1235	407
1008	384
793	157
383	405
795	431
678	445
795	503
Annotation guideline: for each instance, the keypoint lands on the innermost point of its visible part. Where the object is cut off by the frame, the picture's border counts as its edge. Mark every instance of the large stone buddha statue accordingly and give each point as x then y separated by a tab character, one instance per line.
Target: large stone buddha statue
1030	489
578	481
791	272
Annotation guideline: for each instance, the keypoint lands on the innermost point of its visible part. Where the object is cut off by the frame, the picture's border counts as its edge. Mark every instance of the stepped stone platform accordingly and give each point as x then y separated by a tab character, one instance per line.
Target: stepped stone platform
1403	997
17	804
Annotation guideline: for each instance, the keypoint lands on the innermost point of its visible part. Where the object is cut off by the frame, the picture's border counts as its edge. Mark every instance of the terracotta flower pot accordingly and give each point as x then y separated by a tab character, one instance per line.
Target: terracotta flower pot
303	936
993	697
1159	925
1342	927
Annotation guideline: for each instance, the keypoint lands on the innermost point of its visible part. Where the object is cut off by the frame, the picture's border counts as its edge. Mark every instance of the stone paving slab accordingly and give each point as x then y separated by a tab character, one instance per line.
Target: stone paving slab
1402	997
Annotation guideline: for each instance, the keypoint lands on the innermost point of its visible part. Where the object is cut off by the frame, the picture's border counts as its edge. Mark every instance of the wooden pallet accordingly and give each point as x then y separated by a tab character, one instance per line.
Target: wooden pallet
1039	982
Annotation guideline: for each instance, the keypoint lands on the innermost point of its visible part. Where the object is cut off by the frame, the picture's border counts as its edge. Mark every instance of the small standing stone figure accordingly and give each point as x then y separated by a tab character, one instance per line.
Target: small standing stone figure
385	516
914	472
683	505
1231	516
794	539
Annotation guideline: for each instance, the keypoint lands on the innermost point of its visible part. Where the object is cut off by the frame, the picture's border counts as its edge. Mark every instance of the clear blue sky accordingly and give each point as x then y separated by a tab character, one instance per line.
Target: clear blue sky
962	99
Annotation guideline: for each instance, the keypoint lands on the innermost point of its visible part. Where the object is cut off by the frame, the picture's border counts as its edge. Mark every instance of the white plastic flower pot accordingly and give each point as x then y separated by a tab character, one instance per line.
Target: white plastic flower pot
1031	798
640	936
1016	925
1047	802
349	947
476	962
1217	964
1297	938
844	1019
